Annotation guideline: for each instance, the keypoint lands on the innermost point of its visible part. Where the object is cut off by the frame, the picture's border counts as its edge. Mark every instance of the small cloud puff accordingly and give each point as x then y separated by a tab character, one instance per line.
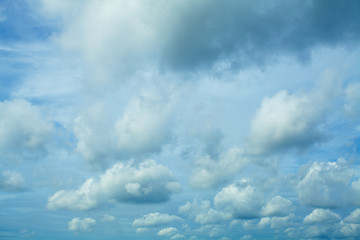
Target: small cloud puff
155	219
81	225
11	181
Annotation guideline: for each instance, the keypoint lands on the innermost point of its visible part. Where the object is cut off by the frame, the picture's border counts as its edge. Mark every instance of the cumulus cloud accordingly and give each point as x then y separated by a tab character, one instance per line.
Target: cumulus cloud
24	133
278	206
81	225
354	217
143	128
276	222
154	220
147	182
242	200
213	172
321	216
322	223
245	200
170	231
202	212
327	185
285	121
11	181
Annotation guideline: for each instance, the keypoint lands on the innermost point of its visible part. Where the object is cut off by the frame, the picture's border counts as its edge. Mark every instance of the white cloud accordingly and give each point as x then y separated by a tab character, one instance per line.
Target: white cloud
148	182
354	217
242	200
11	181
286	121
81	225
276	222
210	173
143	128
107	218
24	133
202	212
177	236
322	216
326	185
167	231
155	219
278	206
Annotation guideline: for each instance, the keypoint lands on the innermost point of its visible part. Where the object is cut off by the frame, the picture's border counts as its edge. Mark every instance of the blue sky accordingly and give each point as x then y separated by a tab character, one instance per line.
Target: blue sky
179	119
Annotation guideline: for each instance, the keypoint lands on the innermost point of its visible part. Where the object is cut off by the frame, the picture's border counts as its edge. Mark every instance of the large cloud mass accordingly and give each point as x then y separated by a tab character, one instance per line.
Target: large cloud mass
186	35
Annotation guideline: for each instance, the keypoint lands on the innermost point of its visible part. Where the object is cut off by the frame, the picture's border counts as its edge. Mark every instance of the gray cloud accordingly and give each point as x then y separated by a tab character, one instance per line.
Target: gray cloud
155	219
191	35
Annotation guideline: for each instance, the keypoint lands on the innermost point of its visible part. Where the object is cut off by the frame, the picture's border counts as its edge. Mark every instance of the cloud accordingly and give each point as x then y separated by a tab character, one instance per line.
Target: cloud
177	236
170	231
210	172
278	206
351	225
245	200
11	181
202	212
154	220
322	223
241	200
142	129
286	121
147	182
107	218
276	222
326	185
354	217
191	36
24	132
321	216
81	225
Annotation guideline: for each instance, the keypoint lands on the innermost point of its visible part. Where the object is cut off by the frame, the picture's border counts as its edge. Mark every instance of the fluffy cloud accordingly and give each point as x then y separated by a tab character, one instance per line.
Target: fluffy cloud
142	129
276	222
202	212
148	182
244	200
278	206
322	216
327	185
11	181
170	231
322	223
209	172
354	217
24	133
285	121
81	225
155	219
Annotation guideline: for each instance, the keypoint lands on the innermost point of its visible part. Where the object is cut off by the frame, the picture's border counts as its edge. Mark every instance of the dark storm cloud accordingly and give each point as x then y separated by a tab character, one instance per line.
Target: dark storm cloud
256	32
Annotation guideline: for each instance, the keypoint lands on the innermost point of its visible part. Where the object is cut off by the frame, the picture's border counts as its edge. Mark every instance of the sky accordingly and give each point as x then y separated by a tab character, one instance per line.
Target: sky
184	119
